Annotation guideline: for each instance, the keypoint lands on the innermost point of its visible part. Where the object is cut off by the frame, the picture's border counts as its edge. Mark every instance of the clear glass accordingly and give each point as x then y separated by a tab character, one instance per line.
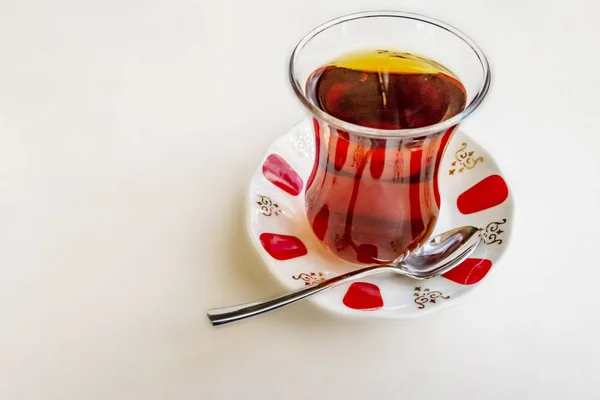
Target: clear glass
372	196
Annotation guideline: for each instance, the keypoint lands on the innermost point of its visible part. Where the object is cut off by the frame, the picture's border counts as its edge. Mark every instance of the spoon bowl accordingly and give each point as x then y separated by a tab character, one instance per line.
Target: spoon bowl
441	253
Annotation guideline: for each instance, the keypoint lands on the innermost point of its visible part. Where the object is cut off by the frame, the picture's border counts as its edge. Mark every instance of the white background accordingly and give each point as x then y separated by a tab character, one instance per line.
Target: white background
128	130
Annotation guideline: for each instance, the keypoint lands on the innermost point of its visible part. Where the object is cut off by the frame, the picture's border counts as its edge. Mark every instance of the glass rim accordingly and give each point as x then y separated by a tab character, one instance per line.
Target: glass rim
380	133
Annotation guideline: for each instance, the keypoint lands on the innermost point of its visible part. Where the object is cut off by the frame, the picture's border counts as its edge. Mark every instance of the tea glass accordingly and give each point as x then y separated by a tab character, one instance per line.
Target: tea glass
372	196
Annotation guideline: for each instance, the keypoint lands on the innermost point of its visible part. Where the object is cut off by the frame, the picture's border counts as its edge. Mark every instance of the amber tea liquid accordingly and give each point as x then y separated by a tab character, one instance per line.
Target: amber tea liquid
370	200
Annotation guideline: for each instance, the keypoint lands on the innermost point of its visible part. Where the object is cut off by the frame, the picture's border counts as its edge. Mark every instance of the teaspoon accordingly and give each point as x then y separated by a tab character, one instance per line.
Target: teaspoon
439	255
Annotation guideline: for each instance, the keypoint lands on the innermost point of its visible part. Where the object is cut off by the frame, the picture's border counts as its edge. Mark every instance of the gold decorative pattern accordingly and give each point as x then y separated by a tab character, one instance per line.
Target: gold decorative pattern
492	232
267	207
464	160
304	143
311	278
427	296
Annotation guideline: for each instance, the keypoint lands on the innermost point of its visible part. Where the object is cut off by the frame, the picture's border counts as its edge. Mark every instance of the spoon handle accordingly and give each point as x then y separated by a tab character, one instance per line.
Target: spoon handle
224	315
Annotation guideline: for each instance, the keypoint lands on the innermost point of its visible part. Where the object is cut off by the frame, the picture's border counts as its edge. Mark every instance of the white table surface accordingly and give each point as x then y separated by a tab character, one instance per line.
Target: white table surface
127	132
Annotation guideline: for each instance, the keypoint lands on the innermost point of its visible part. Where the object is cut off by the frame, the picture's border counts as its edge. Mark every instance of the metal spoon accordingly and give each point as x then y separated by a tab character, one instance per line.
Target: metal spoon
439	255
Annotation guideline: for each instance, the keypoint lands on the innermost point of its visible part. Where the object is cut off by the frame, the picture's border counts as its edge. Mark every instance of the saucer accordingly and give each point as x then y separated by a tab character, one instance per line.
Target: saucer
473	192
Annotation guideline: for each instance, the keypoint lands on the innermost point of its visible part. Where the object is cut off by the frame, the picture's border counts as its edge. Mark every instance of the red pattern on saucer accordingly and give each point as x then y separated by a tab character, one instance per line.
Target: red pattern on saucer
470	271
363	296
485	194
278	172
283	247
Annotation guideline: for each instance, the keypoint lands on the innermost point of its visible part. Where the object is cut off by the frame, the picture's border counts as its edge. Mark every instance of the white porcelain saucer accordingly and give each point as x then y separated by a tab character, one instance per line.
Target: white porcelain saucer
473	192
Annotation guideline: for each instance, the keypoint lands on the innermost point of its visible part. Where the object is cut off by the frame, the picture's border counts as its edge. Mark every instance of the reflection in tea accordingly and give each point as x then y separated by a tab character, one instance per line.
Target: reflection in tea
370	200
